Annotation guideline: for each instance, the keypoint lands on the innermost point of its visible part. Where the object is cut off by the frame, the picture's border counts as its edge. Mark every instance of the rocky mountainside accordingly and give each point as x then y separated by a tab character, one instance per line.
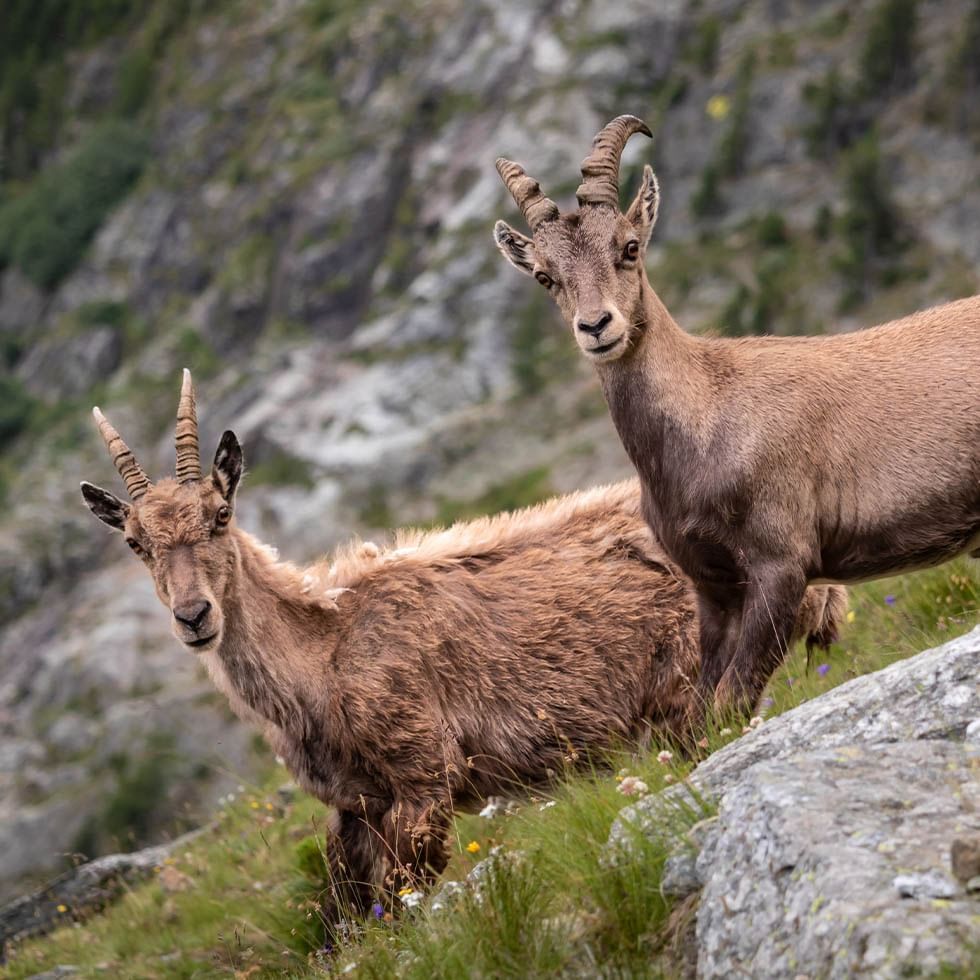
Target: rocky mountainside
295	200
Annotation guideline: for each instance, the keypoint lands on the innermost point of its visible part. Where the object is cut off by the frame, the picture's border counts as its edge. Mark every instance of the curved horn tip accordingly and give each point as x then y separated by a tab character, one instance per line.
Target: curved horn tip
631	120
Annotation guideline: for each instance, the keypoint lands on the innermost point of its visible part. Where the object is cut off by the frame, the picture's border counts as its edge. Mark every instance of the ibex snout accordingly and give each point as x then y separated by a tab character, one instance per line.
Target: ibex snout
602	333
194	622
594	324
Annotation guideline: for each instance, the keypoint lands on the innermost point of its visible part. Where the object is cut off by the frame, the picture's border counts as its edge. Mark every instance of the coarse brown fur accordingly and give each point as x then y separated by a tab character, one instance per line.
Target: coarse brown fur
767	463
400	684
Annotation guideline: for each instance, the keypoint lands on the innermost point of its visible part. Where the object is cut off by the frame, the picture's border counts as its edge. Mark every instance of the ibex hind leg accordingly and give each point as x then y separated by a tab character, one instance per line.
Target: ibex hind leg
415	838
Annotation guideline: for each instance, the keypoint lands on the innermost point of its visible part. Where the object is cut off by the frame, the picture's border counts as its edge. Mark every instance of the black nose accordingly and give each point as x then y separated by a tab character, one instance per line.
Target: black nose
192	614
594	329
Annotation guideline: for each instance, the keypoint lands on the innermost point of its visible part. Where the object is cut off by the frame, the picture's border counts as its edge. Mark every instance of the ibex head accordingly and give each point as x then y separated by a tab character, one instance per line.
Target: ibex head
180	527
590	261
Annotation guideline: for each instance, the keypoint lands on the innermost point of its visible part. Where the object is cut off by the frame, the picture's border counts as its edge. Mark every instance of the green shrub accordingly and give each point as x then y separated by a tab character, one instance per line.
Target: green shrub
871	229
45	231
703	49
706	199
135	82
731	152
889	48
281	469
16	409
770	230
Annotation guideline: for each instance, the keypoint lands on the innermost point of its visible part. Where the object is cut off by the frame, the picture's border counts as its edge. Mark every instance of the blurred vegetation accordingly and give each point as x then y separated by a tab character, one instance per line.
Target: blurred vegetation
887	62
873	236
132	810
46	230
513	493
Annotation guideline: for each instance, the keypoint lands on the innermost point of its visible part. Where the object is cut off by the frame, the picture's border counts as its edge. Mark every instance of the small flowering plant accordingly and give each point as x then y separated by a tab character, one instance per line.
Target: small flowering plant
632	786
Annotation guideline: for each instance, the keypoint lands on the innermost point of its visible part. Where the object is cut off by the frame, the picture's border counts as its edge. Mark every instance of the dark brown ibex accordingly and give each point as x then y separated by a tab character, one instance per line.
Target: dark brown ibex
767	463
400	684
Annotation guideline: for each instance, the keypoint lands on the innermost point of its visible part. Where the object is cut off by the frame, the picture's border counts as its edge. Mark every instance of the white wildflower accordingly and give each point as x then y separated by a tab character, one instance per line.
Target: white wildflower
725	732
411	900
665	758
632	786
756	722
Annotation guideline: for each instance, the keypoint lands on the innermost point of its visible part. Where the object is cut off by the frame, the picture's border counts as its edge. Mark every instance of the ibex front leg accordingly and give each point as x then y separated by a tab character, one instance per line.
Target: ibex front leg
769	611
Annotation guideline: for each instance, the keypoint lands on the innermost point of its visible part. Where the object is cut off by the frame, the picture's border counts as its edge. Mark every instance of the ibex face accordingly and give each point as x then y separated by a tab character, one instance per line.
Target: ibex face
179	528
591	262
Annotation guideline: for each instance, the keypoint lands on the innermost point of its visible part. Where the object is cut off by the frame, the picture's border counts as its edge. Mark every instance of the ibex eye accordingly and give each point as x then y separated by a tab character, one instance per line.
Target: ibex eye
223	516
632	251
544	279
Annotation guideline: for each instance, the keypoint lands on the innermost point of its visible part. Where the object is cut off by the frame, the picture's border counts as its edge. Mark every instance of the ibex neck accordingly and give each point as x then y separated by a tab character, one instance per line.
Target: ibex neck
276	642
660	390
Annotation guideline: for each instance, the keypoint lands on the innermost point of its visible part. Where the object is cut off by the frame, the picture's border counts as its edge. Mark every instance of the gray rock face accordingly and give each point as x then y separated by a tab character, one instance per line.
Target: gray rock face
846	833
837	864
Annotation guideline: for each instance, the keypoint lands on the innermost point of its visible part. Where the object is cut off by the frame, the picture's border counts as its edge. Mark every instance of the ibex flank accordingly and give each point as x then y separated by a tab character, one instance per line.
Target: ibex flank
766	463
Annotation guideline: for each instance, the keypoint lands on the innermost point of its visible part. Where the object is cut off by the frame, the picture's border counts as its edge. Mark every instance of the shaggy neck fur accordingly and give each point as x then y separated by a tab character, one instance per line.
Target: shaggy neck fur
277	638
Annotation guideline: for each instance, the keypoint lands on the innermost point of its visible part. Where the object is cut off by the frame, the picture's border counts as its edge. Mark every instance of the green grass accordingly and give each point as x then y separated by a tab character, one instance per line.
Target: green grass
239	901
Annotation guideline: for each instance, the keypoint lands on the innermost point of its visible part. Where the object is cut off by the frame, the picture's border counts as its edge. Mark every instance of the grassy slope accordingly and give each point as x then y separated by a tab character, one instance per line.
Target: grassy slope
237	904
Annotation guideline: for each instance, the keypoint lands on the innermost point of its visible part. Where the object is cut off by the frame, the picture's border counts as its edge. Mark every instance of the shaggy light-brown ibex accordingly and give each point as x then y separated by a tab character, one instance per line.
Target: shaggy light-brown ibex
766	463
461	663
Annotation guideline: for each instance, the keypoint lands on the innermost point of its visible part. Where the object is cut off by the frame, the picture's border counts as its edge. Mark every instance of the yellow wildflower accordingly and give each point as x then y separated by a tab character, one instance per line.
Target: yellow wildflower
268	806
718	106
473	847
254	805
851	616
407	890
62	908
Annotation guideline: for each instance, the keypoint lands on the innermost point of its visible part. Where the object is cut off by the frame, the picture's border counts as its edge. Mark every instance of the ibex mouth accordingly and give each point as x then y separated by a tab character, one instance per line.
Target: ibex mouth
599	353
204	641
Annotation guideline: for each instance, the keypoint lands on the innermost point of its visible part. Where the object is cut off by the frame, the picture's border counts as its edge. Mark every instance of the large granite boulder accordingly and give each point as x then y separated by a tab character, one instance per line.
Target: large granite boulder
847	832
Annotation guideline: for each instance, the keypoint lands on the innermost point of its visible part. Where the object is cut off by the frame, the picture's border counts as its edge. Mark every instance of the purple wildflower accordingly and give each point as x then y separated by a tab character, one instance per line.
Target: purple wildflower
822	669
889	600
768	702
378	910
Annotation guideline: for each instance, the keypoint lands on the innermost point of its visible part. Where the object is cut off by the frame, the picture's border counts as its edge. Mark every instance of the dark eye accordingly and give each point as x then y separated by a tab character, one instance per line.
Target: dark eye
544	279
223	516
138	549
631	252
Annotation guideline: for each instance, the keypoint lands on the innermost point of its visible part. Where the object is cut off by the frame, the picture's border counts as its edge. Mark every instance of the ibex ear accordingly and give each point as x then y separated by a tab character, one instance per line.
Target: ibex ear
107	508
227	468
642	213
516	248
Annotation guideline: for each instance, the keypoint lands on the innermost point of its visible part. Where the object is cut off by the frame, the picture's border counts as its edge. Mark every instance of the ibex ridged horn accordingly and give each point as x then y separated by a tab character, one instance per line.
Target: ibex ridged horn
526	191
601	167
188	450
137	482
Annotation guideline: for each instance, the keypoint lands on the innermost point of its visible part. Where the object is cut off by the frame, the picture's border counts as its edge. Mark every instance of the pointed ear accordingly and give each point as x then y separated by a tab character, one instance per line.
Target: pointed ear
107	508
642	213
227	468
516	248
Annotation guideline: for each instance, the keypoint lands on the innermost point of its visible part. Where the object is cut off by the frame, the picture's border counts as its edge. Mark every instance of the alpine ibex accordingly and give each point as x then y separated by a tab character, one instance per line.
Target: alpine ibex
766	462
461	663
